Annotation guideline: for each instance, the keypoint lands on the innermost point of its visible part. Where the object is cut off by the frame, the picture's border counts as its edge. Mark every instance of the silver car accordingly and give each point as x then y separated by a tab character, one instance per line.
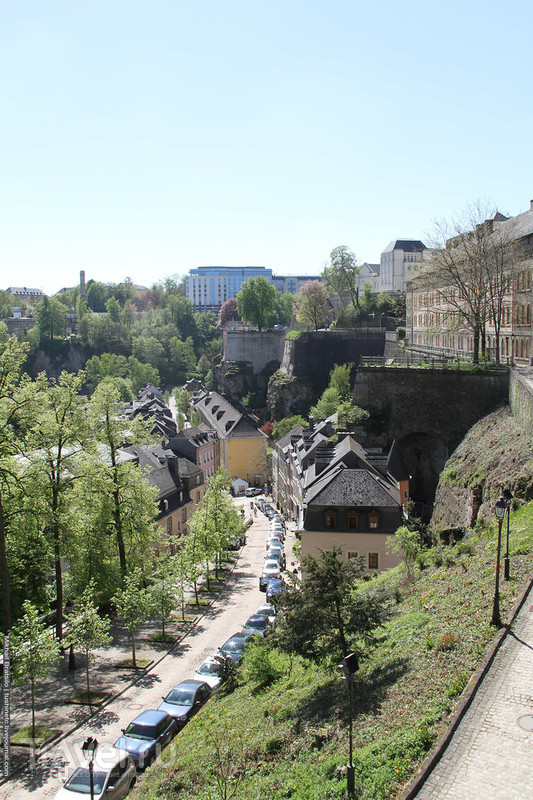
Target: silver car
113	776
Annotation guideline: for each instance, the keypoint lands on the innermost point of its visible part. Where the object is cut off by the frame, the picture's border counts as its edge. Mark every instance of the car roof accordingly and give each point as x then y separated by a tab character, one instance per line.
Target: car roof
150	717
106	757
190	683
256	616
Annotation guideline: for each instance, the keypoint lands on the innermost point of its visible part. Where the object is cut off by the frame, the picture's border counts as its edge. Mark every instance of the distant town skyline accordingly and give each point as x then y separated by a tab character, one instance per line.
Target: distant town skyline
145	139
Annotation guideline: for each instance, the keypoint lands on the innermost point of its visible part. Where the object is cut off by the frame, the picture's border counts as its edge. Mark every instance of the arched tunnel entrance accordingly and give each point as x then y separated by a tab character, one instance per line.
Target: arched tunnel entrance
424	456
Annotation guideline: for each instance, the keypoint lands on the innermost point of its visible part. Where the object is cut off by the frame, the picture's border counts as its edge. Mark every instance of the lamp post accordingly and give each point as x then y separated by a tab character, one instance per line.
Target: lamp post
506	494
348	666
500	508
89	749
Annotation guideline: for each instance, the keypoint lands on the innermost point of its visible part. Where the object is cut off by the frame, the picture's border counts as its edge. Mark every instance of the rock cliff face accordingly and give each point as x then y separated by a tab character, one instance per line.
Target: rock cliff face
72	360
496	454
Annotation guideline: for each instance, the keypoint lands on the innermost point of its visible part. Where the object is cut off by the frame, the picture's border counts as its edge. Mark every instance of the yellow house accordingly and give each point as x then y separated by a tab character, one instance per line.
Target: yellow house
242	444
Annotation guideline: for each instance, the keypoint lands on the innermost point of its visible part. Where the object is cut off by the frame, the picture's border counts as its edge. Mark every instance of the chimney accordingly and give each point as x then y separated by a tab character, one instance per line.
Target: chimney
531	205
82	285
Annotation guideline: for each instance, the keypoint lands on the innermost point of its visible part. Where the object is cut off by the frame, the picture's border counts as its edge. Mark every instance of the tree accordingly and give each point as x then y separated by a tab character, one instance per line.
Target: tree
50	315
228	311
312	305
283	309
340	274
56	438
283	426
407	544
163	591
328	613
182	357
122	489
470	267
87	630
327	405
339	379
12	402
134	605
113	308
255	301
35	651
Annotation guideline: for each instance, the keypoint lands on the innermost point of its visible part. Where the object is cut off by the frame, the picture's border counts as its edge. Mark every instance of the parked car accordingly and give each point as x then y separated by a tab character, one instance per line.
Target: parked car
271	570
277	553
237	543
214	670
272	541
146	736
274	588
256	625
267	610
113	776
253	491
234	647
185	699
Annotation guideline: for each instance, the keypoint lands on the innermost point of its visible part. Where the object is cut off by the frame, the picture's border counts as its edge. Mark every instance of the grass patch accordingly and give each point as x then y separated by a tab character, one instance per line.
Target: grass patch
140	663
22	737
166	638
287	736
85	698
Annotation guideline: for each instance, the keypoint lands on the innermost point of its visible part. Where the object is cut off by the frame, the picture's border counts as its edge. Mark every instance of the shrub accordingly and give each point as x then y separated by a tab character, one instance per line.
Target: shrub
446	642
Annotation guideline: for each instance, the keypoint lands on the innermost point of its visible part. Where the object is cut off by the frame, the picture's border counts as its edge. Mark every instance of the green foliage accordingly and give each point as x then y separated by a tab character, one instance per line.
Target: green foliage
339	379
327	405
51	317
283	426
312	305
255	301
407	544
340	274
263	664
134	605
87	631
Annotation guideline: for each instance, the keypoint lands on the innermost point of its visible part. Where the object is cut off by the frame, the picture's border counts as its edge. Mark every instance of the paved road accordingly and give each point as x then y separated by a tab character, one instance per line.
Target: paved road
490	756
238	600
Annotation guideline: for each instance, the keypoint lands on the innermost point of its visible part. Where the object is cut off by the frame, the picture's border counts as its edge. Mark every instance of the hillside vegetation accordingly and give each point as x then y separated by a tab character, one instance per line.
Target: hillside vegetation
289	738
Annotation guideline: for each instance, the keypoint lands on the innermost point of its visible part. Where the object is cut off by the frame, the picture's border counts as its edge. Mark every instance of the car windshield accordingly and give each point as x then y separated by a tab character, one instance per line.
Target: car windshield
80	781
259	624
181	697
211	668
140	731
234	645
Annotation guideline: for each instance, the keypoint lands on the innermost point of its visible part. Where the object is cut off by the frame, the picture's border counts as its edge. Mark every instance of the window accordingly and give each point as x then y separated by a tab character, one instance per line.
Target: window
330	520
373	522
353	522
197	497
184	515
373	560
169	524
351	554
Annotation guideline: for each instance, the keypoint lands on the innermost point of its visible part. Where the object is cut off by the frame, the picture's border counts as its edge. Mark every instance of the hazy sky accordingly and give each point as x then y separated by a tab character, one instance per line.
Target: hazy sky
141	138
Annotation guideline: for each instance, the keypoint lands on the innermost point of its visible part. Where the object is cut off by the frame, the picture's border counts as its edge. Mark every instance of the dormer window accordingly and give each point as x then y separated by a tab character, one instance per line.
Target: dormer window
330	520
373	521
353	522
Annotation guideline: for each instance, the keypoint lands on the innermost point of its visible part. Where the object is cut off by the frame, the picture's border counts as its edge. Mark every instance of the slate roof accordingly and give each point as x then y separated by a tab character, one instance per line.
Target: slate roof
407	245
351	488
228	419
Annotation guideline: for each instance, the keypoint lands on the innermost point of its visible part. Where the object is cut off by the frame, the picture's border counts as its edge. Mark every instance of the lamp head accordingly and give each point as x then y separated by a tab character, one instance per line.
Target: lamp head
500	507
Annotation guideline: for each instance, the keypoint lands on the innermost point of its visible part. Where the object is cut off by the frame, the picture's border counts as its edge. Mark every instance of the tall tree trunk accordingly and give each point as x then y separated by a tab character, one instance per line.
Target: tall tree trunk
4	574
59	583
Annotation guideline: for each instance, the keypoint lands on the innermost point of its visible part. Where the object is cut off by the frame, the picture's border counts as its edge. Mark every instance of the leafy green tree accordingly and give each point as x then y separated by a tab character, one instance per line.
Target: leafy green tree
50	314
113	308
183	359
283	426
407	544
134	605
12	403
164	589
203	366
312	305
327	405
255	301
128	495
329	613
87	630
35	652
283	309
141	374
350	416
339	379
340	274
181	313
6	304
149	350
57	436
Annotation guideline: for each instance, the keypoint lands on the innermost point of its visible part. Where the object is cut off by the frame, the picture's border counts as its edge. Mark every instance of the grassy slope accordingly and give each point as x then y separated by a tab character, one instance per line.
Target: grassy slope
294	733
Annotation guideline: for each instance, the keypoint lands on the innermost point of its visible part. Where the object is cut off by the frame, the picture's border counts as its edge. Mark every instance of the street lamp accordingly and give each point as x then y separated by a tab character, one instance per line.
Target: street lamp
506	494
348	666
89	749
500	509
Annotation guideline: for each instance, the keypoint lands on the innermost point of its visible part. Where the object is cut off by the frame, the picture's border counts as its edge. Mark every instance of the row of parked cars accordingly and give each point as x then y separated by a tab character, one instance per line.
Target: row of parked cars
114	769
270	580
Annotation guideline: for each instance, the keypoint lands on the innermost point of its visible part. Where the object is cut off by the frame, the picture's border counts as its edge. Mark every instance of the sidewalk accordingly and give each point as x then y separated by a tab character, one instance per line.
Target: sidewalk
490	753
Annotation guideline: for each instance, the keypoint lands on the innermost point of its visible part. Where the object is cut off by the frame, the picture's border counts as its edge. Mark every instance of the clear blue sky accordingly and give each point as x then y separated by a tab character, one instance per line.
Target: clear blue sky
141	138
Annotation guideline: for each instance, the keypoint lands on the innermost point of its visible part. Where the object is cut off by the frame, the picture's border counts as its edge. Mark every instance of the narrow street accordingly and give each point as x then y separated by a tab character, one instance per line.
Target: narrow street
236	602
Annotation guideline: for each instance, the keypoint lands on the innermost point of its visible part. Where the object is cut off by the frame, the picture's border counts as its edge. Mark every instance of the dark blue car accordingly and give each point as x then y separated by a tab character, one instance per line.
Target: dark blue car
274	588
146	736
